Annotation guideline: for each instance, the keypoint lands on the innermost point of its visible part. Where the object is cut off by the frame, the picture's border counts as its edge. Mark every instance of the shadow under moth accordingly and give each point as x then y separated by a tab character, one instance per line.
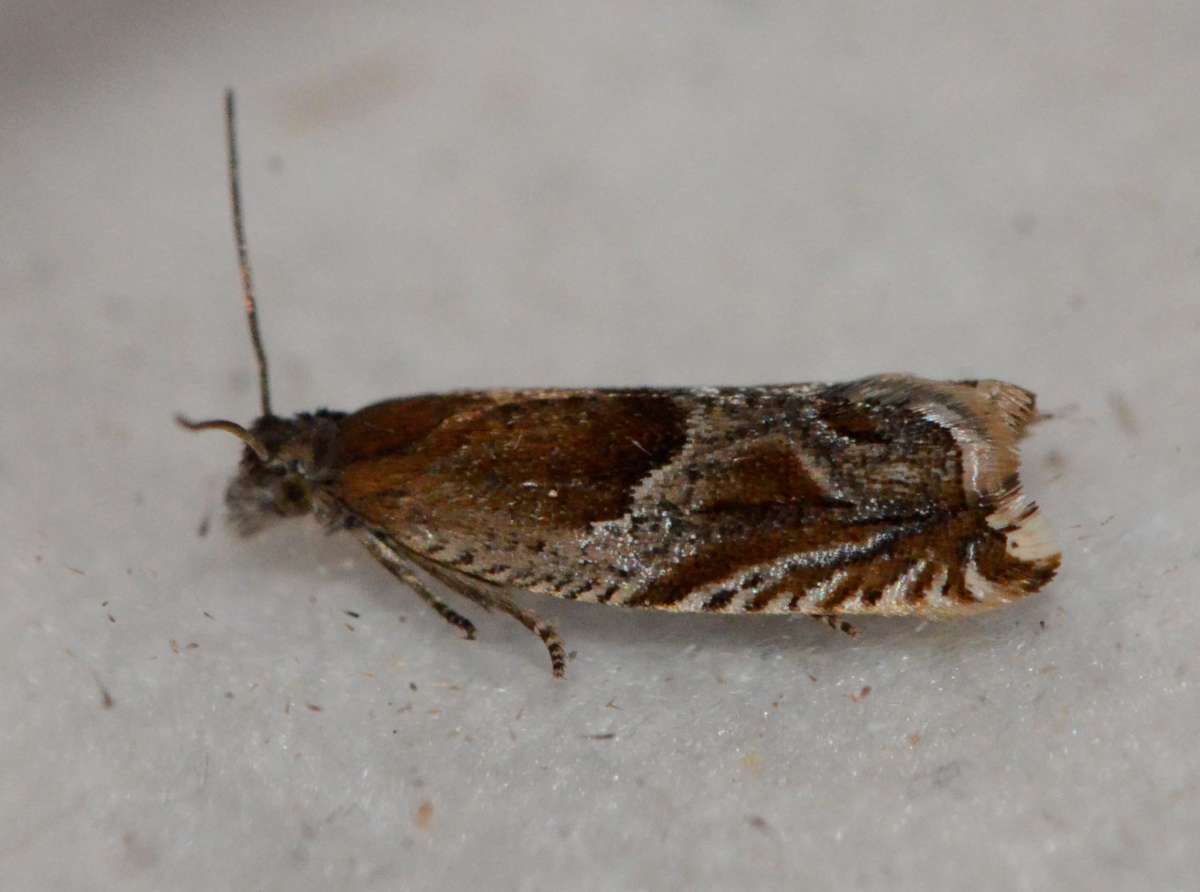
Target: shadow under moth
891	495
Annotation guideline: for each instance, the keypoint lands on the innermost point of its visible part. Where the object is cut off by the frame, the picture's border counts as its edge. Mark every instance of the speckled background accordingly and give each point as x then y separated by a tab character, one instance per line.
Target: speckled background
445	195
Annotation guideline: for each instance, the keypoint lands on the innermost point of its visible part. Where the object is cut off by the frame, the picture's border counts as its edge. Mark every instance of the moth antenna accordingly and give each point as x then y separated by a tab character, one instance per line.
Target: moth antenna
230	427
239	236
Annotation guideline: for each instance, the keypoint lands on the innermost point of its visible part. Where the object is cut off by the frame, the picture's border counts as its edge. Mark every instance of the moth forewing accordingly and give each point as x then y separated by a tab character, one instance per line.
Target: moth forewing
890	495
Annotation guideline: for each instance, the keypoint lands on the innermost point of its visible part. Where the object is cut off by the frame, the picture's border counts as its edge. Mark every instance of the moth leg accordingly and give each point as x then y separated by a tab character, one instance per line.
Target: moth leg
460	585
838	625
489	597
541	628
396	565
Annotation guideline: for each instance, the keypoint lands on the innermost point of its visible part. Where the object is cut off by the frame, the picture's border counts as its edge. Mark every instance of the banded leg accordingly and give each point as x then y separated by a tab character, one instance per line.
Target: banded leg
838	625
470	589
541	628
488	597
386	555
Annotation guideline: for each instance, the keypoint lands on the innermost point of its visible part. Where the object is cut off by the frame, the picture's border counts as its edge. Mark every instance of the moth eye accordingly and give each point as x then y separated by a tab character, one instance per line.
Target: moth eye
293	492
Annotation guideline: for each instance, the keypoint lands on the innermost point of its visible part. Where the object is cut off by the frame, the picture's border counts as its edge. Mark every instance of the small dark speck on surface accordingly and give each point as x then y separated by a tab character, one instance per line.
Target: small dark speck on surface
352	613
861	695
758	823
424	815
412	685
139	854
944	775
607	736
111	618
312	707
1120	407
205	523
358	88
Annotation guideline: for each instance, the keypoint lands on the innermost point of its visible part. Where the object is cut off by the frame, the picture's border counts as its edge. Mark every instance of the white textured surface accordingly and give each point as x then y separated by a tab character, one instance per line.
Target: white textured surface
531	194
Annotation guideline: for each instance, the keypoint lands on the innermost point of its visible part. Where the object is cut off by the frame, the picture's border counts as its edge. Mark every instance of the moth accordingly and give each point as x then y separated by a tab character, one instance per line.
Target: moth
890	495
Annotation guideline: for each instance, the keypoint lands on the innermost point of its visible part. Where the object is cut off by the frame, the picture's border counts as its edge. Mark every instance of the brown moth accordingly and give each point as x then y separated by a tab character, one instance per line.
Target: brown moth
890	495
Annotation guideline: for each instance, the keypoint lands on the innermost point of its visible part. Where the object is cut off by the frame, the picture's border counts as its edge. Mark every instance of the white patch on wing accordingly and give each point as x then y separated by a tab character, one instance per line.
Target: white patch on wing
893	600
934	600
987	592
818	593
1032	539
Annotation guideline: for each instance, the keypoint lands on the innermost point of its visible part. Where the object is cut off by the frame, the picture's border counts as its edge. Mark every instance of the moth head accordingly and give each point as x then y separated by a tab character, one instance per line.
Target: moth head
277	474
264	491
